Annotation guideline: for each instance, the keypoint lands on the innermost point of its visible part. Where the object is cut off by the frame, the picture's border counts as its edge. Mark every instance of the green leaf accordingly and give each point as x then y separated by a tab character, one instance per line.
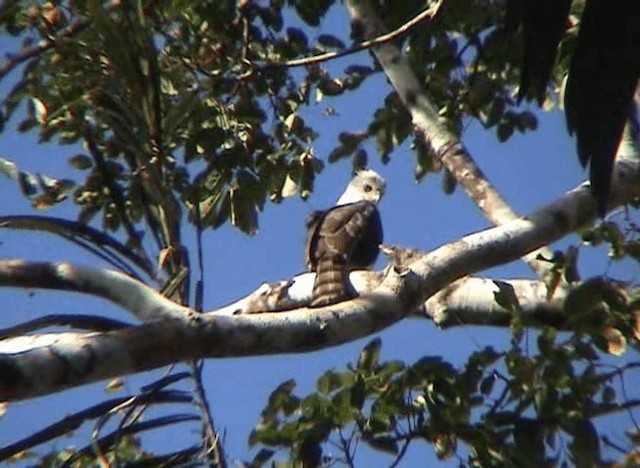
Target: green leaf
281	399
449	182
309	452
297	38
385	444
28	184
8	168
311	11
332	380
546	340
585	446
389	369
360	160
331	87
358	392
341	402
528	435
612	341
504	132
369	356
445	445
608	394
506	296
427	368
486	385
262	457
330	42
81	161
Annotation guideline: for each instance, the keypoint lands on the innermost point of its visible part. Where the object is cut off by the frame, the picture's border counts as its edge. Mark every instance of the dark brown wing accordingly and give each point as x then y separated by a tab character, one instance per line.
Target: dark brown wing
341	239
353	230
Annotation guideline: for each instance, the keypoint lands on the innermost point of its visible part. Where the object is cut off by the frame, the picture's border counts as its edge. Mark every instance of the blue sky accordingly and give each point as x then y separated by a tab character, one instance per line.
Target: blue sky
529	170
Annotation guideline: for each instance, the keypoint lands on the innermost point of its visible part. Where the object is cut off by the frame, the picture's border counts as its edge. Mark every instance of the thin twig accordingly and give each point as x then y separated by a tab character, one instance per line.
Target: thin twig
180	458
78	321
75	420
111	439
402	452
97	242
211	443
401	31
345	446
605	409
623	387
199	252
397	33
609	443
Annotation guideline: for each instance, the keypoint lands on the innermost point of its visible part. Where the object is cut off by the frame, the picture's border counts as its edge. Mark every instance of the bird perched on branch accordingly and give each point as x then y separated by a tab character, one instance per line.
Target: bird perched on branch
345	237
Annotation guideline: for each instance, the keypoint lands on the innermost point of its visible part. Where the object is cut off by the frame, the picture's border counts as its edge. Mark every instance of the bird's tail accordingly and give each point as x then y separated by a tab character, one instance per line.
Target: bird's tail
332	282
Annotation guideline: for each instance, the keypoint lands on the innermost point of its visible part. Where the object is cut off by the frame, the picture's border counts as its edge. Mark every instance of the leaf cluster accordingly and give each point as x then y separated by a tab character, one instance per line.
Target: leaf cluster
513	407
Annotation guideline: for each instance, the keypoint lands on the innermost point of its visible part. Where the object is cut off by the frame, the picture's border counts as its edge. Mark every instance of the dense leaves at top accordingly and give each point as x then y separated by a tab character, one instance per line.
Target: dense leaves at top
510	407
180	103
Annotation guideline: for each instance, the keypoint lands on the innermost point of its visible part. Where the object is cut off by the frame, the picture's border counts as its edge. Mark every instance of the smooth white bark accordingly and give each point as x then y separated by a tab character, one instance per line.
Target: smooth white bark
174	333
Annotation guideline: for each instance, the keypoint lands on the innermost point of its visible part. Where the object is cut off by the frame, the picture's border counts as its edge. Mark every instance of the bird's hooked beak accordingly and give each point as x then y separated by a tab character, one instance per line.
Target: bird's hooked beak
379	193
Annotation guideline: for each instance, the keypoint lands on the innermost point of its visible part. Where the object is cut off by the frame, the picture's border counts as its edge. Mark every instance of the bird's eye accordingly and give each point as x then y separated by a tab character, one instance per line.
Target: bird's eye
368	188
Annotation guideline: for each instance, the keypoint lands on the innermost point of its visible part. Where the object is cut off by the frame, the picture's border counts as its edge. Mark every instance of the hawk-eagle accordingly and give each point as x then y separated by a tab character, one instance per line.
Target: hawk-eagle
343	238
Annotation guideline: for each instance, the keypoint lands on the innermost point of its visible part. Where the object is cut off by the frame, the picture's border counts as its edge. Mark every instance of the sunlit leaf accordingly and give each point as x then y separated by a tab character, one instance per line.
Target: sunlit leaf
614	341
8	168
28	183
40	111
115	385
81	161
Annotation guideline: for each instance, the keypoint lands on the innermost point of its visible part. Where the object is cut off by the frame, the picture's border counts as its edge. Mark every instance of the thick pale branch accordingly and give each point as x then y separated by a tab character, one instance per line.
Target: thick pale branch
37	365
142	301
50	363
471	301
468	301
77	321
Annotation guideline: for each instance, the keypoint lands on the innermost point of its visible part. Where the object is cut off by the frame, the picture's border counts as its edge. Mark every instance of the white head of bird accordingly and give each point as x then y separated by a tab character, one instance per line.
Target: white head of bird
366	185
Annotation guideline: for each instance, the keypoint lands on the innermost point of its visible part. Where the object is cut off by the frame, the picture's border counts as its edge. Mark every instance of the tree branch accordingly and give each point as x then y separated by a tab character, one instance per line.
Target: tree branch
74	421
81	321
397	33
136	297
468	301
37	365
427	123
97	242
